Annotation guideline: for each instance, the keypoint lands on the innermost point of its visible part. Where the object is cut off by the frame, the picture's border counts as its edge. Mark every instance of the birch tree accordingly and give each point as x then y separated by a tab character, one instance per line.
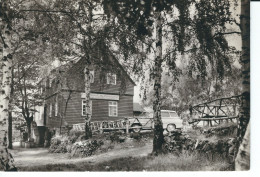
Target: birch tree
182	27
7	163
79	28
245	59
242	161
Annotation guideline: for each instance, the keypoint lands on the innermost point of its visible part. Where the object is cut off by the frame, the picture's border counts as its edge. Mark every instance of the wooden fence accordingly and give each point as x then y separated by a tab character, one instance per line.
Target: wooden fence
123	124
216	111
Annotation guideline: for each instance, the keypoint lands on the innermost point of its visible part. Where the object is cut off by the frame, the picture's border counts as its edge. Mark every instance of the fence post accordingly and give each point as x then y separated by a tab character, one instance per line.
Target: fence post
127	127
101	128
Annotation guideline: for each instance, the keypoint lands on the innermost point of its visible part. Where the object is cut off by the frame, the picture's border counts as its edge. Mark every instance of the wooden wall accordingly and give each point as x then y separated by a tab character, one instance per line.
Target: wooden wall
73	80
74	109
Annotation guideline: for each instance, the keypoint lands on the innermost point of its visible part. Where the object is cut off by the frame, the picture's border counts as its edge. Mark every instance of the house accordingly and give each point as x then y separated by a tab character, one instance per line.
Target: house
112	92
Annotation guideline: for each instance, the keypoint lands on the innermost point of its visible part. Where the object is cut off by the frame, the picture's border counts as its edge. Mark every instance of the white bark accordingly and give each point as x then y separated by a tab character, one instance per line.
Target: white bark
5	93
157	72
242	161
6	160
87	92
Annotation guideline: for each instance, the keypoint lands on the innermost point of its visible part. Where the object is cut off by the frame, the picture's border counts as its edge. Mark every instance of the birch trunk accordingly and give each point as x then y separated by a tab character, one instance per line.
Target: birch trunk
10	117
88	133
243	144
242	161
245	59
7	162
158	127
5	91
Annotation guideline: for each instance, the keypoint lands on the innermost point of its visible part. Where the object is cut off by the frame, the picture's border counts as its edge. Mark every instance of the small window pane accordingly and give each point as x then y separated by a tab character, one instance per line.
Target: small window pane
50	110
112	108
173	114
165	114
111	78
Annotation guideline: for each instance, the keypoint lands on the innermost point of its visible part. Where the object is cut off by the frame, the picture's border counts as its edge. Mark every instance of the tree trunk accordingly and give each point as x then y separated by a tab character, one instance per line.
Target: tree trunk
88	133
6	159
5	88
245	60
242	161
10	118
10	130
29	127
157	73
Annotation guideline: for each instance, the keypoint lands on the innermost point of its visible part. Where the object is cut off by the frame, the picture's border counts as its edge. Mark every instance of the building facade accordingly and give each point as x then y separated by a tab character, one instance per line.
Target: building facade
64	104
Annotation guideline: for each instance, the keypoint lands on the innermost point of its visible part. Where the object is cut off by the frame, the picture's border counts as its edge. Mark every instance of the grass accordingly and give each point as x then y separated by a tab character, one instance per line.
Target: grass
187	163
196	134
167	162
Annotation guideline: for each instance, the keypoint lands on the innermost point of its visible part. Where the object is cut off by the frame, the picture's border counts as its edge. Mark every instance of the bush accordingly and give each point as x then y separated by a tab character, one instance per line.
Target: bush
85	148
74	145
59	145
182	143
118	137
75	136
136	136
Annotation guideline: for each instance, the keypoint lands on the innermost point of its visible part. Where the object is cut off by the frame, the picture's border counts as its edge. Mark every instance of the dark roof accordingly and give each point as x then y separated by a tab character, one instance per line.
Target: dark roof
138	108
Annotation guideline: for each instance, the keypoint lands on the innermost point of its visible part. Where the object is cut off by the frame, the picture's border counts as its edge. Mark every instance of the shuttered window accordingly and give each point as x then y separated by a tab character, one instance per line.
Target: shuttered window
112	108
111	78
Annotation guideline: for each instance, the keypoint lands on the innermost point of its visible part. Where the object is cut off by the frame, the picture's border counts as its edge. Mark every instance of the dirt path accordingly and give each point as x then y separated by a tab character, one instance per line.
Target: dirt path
40	156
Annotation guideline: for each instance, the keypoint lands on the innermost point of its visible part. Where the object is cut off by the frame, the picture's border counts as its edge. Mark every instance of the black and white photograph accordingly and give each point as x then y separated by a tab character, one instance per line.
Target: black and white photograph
124	85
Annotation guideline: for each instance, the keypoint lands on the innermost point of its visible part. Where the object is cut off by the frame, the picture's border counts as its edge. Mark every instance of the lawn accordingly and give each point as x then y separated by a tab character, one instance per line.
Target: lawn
160	163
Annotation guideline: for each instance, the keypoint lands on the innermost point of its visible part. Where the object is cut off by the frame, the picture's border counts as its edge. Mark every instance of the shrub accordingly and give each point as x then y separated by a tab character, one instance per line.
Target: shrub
59	144
182	143
85	148
118	137
135	135
75	136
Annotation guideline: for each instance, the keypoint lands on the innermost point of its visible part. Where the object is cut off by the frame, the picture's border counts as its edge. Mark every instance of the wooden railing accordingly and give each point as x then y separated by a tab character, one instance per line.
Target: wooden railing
122	124
218	110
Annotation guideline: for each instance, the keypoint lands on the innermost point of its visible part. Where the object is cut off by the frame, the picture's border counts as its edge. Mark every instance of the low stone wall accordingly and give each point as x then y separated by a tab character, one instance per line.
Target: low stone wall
220	131
179	142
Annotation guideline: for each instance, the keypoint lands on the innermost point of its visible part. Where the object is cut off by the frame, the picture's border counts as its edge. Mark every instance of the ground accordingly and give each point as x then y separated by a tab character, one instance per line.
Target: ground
133	154
127	159
40	156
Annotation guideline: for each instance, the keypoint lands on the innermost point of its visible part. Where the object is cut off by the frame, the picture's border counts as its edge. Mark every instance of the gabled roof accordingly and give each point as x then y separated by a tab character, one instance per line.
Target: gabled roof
122	68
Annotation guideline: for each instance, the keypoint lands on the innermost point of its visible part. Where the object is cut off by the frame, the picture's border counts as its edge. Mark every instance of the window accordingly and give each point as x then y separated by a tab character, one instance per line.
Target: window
165	114
112	108
111	78
50	110
50	82
91	76
84	113
174	114
56	109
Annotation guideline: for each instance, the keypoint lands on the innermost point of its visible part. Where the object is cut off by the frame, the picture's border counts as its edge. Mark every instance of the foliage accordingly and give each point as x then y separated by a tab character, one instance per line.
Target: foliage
213	143
85	148
198	34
